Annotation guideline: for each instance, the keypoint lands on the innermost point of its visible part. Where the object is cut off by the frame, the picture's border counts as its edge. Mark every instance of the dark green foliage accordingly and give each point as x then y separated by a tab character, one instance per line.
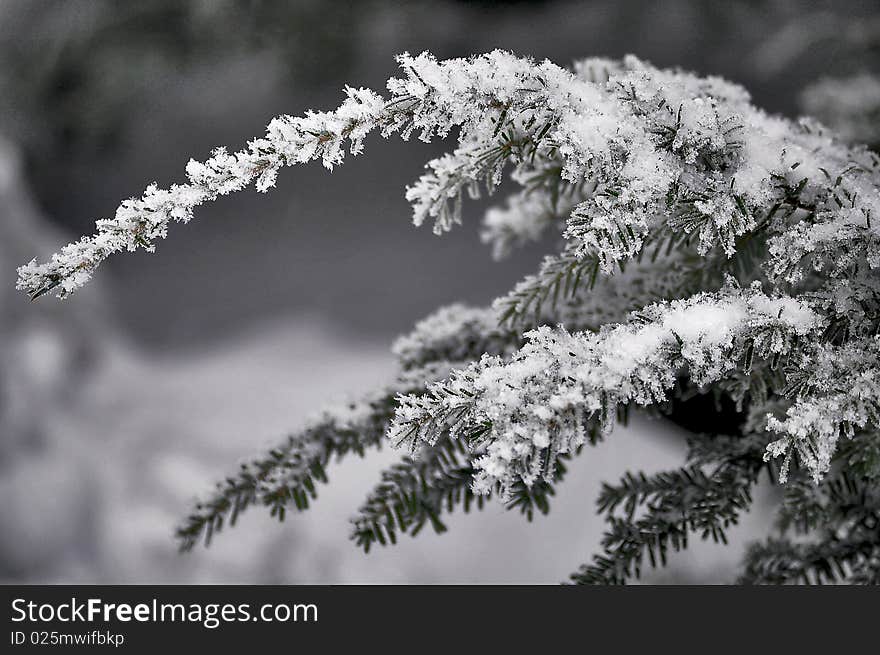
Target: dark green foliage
418	491
839	528
781	561
415	492
649	515
288	474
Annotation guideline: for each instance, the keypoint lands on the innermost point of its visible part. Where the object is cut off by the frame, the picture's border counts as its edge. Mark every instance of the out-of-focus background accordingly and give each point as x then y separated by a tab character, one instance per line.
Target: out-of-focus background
120	405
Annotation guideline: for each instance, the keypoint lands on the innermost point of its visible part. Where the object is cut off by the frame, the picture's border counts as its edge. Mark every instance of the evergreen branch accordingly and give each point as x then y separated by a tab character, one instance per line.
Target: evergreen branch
546	199
139	222
415	492
569	289
670	506
419	490
437	194
455	333
670	155
543	394
291	472
744	252
842	517
781	561
559	278
835	396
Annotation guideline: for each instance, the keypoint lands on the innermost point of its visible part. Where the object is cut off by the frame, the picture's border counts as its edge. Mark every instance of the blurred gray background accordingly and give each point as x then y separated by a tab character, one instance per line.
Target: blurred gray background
121	404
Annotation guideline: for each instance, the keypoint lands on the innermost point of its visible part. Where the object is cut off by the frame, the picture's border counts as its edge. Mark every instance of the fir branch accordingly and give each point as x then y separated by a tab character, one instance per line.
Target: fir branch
290	473
677	156
660	511
841	517
677	185
833	397
781	561
414	493
559	278
542	395
419	490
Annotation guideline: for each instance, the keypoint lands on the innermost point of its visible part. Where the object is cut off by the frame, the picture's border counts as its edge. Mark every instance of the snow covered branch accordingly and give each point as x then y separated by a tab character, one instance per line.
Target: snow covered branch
652	146
706	246
518	415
